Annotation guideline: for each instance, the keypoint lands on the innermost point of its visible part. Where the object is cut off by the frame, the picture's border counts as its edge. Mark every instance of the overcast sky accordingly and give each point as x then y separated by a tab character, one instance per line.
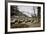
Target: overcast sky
27	10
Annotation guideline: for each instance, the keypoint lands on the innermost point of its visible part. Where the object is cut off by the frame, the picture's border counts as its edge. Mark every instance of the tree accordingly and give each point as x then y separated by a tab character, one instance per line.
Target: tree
39	11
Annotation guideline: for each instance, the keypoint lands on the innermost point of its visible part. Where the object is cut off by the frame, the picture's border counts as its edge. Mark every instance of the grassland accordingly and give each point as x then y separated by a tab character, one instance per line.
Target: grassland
25	22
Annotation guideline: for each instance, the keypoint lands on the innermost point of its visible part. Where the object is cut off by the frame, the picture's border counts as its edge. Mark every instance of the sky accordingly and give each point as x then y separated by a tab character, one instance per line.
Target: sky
27	10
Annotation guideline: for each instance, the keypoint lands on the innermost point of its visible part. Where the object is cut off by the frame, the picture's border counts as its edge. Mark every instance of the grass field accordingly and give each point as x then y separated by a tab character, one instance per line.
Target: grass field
25	22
